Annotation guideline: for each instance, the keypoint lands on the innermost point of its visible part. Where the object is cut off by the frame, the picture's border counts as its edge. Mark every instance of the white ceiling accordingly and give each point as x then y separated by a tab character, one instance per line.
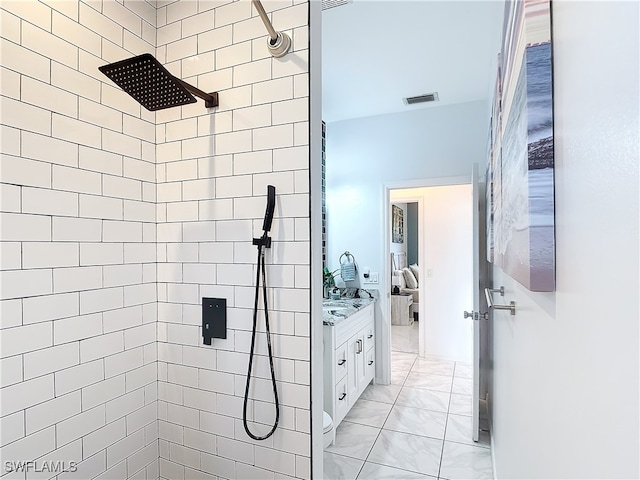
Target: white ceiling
376	52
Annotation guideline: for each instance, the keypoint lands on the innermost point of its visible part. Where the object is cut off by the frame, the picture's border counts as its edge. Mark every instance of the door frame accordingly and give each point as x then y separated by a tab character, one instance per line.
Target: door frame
385	359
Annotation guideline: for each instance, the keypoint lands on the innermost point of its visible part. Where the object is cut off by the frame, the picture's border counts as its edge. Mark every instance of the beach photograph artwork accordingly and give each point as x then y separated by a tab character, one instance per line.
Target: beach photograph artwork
524	233
493	186
494	174
488	205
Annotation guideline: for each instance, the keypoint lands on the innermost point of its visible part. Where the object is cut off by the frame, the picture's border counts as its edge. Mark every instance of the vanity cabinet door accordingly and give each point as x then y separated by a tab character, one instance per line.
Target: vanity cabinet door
341	362
359	373
353	372
341	401
370	365
369	337
361	363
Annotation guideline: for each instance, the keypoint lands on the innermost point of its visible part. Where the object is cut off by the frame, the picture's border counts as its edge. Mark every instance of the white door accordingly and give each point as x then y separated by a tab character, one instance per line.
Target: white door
477	316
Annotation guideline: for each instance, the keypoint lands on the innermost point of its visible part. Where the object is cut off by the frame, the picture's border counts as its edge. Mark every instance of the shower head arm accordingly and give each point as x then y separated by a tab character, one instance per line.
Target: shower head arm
279	42
210	99
263	15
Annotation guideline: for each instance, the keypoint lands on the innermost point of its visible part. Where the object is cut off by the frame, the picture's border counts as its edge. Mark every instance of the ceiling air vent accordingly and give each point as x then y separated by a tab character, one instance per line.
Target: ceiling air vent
326	4
427	97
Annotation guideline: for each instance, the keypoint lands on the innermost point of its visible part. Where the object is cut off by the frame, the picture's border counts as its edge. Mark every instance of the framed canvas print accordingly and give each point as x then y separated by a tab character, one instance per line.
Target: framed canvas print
525	243
397	224
494	174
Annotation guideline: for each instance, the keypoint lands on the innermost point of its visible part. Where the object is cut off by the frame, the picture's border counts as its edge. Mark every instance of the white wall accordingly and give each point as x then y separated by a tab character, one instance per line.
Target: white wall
78	310
365	154
212	172
566	393
426	143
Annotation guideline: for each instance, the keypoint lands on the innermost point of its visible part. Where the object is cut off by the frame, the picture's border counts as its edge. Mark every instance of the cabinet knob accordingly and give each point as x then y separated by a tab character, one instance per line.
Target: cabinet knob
342	397
370	336
342	362
370	362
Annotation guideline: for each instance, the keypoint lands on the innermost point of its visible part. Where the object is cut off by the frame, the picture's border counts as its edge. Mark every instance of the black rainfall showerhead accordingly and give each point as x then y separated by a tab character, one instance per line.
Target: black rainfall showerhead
149	83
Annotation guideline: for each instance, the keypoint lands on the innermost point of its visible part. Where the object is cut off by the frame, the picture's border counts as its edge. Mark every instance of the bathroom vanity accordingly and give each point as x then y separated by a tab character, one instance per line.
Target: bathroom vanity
349	353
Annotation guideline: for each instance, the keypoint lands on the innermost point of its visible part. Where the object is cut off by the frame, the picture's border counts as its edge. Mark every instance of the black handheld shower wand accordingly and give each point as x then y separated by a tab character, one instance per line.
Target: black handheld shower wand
271	205
262	243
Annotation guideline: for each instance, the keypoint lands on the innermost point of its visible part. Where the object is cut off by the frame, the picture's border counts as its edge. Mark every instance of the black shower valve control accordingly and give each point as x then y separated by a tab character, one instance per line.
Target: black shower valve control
214	319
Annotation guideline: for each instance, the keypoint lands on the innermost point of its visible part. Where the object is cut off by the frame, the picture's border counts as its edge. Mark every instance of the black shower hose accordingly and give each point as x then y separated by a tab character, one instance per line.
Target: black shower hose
261	273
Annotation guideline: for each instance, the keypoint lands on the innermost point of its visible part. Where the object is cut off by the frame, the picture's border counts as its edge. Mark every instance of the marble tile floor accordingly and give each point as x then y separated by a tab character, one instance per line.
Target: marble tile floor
404	338
419	427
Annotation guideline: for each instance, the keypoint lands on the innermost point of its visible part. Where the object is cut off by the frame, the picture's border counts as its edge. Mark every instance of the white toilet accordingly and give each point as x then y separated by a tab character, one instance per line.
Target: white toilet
327	429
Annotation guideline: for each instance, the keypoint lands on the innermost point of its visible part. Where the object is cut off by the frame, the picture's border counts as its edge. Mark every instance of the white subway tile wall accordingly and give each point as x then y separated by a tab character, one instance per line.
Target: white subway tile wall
212	174
117	221
78	334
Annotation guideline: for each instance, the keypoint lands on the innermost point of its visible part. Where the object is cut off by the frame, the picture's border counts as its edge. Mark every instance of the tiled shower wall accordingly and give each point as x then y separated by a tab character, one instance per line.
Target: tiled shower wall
78	315
212	172
82	309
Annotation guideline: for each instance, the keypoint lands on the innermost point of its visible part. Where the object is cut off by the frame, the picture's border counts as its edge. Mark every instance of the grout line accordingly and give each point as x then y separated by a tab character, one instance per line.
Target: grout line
387	417
446	423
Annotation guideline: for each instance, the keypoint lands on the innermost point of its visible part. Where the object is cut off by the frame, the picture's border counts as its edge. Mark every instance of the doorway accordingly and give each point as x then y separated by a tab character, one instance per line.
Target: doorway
444	266
405	264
